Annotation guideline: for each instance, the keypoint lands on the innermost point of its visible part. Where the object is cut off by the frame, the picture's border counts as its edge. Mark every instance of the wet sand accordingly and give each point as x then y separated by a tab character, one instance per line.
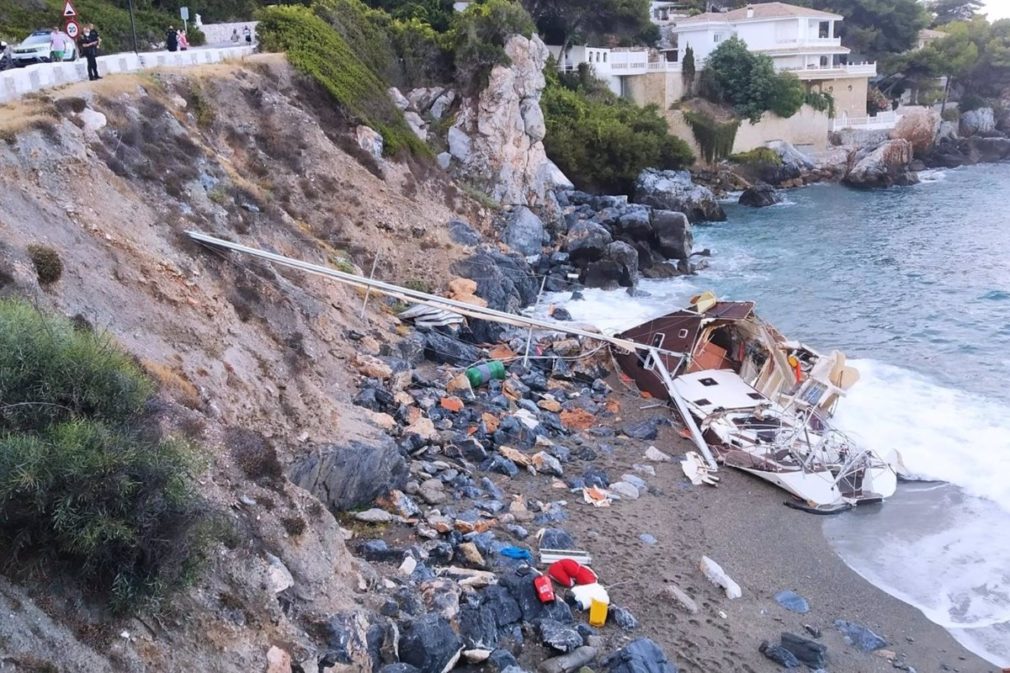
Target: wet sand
763	545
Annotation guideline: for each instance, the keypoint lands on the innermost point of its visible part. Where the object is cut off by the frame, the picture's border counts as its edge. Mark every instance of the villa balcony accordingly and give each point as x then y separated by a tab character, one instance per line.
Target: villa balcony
833	71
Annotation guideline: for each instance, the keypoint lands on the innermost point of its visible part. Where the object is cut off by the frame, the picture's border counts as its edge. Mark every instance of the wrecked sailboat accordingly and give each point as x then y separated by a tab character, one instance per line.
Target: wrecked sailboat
761	402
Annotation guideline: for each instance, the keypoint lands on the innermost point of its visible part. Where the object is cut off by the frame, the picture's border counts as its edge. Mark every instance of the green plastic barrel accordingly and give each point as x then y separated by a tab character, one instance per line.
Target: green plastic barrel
482	373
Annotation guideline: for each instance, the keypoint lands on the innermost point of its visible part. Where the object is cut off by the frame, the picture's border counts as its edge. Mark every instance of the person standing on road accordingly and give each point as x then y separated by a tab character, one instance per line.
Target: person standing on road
183	41
248	34
172	39
57	46
89	47
234	35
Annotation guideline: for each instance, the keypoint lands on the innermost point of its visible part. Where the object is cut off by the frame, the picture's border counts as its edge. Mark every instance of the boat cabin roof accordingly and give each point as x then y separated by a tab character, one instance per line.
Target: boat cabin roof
717	389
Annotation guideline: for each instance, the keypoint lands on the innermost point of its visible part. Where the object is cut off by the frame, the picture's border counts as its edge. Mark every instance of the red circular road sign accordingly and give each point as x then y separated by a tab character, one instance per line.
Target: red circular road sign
73	29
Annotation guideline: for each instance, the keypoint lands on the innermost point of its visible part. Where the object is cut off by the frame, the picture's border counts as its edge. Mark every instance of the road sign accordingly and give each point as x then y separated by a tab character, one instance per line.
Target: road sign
68	10
184	13
73	29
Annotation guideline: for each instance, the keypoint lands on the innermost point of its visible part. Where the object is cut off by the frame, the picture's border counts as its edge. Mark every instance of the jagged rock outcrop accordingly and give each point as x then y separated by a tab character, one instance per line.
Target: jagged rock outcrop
978	122
498	135
885	166
674	190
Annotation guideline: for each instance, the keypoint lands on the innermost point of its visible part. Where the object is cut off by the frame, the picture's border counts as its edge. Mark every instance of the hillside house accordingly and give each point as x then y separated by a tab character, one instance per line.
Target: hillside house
798	39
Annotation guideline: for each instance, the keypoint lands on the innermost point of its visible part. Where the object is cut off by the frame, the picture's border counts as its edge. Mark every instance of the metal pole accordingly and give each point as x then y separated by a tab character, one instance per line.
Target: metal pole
368	290
133	28
529	336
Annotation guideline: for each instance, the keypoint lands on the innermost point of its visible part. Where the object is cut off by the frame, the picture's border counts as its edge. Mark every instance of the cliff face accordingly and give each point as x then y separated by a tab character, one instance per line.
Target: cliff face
498	135
253	363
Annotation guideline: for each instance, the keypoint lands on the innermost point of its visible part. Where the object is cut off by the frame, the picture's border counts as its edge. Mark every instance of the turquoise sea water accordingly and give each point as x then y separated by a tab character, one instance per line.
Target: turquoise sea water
913	284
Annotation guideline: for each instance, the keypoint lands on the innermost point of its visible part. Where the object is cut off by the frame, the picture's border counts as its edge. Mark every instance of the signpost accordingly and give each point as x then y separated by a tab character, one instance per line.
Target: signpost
184	13
70	26
69	11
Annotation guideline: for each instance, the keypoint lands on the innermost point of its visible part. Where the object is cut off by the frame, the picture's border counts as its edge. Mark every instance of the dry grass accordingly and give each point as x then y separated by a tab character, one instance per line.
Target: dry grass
174	383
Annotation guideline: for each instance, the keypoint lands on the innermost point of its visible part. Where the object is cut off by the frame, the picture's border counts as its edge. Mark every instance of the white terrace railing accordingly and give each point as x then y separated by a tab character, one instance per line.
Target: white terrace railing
881	121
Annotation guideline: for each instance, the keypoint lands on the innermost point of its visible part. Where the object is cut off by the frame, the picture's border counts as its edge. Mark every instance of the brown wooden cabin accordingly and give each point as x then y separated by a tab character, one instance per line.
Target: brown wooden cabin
678	331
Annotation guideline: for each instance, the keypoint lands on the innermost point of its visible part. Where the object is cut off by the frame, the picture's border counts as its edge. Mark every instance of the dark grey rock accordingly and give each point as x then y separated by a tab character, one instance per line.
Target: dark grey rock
500	464
644	430
674	236
461	232
445	349
595	476
622	617
617	268
561	314
379	551
502	605
520	586
375	398
760	195
500	660
399	667
524	232
635	225
860	636
559	636
810	653
587	241
639	656
556	538
477	627
429	643
779	655
351	475
504	280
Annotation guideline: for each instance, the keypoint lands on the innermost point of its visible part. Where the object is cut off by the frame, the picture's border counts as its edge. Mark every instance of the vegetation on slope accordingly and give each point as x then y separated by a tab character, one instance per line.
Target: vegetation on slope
319	51
83	487
603	142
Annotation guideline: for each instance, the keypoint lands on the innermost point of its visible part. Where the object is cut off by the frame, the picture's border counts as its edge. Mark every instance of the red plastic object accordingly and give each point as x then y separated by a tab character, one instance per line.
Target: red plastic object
568	572
545	591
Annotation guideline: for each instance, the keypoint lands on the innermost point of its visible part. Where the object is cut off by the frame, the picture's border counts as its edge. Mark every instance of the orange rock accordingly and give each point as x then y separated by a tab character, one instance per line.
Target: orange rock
577	419
511	390
459	383
501	352
491	421
462	286
613	406
549	404
452	403
646	395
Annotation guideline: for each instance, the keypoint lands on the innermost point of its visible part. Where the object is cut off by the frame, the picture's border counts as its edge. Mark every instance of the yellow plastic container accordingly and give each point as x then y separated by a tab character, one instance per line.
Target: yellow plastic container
597	613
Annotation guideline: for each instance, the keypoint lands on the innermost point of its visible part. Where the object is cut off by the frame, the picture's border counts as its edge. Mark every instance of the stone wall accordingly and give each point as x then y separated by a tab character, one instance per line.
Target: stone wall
807	130
662	89
220	33
849	95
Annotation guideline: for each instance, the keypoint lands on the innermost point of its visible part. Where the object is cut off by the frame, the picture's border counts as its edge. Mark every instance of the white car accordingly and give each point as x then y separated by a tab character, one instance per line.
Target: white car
35	49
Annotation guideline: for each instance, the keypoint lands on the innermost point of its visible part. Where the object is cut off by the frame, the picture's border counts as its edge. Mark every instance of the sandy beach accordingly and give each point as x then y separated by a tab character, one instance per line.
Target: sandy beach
763	545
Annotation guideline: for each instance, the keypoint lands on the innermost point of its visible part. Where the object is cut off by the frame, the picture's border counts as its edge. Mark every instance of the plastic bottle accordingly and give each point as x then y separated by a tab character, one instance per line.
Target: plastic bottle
482	373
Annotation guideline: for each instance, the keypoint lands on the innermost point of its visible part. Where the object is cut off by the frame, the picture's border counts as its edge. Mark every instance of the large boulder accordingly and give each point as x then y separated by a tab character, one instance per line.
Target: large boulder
674	190
635	224
587	241
524	232
505	281
345	476
976	122
919	126
759	195
989	149
430	644
886	166
617	268
674	236
498	134
791	156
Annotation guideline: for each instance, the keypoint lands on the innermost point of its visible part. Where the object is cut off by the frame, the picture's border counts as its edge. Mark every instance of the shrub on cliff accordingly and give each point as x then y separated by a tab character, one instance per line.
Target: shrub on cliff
736	76
478	37
603	142
83	488
318	50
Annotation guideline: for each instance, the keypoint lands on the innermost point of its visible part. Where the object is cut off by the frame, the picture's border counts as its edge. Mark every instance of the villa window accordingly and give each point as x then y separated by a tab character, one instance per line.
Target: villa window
824	29
604	57
717	38
824	61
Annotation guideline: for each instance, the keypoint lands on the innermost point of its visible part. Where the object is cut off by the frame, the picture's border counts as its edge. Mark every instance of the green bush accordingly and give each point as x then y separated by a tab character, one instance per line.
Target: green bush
758	155
602	142
735	76
48	266
317	50
876	101
951	114
479	35
821	101
82	487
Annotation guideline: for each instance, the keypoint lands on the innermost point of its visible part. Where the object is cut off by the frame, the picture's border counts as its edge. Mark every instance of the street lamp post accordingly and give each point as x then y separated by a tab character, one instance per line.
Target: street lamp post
133	27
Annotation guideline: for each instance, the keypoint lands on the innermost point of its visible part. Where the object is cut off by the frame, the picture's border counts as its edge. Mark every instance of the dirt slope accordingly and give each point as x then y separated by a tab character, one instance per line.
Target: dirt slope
252	362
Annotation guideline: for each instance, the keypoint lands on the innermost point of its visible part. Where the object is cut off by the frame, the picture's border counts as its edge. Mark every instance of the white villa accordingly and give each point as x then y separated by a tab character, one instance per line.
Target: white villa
798	39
